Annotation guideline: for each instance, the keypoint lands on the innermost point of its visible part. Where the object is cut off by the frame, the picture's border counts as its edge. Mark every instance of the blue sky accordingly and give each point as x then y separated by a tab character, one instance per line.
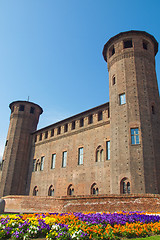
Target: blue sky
51	51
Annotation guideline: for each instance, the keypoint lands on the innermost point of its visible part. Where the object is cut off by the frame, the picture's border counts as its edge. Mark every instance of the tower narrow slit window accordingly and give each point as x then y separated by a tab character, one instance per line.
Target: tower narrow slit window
134	136
145	44
34	165
113	80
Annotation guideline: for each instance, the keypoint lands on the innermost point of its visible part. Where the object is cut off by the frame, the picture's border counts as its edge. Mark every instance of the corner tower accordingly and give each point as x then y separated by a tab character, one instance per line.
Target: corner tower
134	113
23	121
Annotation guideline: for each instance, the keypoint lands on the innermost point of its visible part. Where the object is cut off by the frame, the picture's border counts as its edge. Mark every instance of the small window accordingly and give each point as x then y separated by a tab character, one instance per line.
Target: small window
111	51
64	159
113	80
125	186
81	122
108	113
46	134
99	154
145	45
6	143
35	191
1	165
52	132
40	137
21	108
32	110
128	44
42	163
73	125
90	119
34	165
108	150
51	191
53	162
122	99
66	127
153	109
58	130
134	136
70	190
100	116
94	189
80	156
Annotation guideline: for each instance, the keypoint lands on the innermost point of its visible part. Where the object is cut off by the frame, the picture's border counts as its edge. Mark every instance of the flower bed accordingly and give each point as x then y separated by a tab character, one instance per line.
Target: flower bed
79	225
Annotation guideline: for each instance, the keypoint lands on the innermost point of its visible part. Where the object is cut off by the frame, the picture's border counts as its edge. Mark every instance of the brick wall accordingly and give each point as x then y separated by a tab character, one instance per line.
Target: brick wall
110	203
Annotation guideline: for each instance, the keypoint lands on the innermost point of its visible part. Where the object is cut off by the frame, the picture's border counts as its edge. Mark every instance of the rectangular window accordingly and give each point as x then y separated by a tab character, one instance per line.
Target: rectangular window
21	108
90	119
80	156
34	165
32	110
66	127
46	134
81	122
100	116
108	150
64	159
127	44
52	132
42	163
53	162
122	98
58	130
134	136
40	137
73	125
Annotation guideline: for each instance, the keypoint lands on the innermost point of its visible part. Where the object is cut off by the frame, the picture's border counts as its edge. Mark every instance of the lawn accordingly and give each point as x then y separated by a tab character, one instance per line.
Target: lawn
67	226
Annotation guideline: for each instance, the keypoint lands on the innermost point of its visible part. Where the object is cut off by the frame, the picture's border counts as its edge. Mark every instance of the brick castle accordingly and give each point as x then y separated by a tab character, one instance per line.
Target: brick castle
110	149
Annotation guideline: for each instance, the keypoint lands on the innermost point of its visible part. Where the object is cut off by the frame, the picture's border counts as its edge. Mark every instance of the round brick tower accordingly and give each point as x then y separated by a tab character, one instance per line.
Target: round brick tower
23	121
134	113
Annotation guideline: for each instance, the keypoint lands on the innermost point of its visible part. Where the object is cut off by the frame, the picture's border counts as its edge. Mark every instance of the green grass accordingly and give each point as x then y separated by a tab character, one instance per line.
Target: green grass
146	238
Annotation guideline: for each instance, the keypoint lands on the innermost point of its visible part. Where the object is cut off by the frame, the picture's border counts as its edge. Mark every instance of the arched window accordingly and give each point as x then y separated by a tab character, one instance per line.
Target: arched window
99	154
37	168
94	189
35	191
70	190
125	186
51	191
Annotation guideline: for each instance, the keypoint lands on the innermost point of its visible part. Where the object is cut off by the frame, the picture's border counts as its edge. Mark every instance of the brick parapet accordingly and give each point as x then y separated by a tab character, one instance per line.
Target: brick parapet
108	203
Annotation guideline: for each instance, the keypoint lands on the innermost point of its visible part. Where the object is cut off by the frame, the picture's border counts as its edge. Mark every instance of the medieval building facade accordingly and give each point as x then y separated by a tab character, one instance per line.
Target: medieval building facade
110	149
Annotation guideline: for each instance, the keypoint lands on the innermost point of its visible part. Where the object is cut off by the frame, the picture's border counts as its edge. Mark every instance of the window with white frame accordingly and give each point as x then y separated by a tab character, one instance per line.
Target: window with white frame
134	136
64	159
53	162
80	156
